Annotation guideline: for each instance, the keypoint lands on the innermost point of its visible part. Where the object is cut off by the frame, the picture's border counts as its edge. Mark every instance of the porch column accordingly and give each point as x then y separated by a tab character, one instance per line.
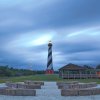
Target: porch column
68	74
80	74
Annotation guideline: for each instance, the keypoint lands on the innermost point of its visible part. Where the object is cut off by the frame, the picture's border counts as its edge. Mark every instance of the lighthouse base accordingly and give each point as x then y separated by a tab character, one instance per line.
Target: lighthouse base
49	71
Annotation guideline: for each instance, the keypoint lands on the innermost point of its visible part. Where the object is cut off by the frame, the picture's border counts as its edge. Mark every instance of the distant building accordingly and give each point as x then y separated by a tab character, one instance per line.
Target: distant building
72	71
98	72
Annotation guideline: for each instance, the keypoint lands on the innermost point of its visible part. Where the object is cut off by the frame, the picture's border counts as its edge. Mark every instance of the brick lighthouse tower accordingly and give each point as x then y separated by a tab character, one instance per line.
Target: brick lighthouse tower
49	69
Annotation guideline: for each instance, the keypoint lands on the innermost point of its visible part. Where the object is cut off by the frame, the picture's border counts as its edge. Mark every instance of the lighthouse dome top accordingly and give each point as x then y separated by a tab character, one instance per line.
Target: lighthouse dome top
50	43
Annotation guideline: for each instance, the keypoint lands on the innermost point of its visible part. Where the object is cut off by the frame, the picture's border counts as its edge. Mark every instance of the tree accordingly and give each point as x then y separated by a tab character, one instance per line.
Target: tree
98	66
9	71
88	67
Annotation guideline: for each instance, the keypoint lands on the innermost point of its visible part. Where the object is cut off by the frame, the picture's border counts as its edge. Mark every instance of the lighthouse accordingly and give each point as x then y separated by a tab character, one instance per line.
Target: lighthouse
49	69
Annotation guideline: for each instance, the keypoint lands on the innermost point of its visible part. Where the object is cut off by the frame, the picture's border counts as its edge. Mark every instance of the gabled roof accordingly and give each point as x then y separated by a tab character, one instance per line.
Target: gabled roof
72	67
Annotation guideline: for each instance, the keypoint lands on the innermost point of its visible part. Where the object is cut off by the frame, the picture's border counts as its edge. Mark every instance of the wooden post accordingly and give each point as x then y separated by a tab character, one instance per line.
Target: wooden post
80	73
62	73
68	74
90	74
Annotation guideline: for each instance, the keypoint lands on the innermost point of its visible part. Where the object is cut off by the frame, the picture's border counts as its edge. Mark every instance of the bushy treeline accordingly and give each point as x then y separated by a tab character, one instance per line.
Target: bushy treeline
9	71
96	67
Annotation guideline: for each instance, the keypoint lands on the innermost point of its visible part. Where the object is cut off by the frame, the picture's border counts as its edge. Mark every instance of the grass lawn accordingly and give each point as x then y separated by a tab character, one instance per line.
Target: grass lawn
44	78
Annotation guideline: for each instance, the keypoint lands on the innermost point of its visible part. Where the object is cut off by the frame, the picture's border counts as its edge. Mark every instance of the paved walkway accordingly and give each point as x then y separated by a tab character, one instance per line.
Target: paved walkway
49	92
49	89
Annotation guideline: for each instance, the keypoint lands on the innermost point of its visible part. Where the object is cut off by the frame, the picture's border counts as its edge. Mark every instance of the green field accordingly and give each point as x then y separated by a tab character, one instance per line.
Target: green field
44	78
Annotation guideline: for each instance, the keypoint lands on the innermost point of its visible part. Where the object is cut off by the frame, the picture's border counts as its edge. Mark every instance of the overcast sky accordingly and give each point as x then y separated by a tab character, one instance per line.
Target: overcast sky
26	26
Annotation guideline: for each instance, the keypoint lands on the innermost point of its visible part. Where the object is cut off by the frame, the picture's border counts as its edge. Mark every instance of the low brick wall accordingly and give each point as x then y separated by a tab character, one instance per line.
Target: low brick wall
2	91
18	89
18	92
23	86
74	86
80	92
69	93
61	83
34	82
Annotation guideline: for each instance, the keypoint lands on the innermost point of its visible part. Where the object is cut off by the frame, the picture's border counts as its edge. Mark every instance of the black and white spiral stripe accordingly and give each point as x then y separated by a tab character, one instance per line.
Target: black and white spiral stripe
49	64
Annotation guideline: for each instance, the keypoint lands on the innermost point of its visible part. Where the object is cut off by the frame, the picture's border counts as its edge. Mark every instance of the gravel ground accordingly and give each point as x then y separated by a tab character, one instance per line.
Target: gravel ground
48	92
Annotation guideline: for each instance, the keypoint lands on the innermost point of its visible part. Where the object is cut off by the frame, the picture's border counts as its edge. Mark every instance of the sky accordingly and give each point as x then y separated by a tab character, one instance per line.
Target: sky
26	26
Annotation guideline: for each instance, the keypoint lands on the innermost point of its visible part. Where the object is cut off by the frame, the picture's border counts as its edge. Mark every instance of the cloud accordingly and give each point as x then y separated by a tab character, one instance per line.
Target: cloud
26	26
